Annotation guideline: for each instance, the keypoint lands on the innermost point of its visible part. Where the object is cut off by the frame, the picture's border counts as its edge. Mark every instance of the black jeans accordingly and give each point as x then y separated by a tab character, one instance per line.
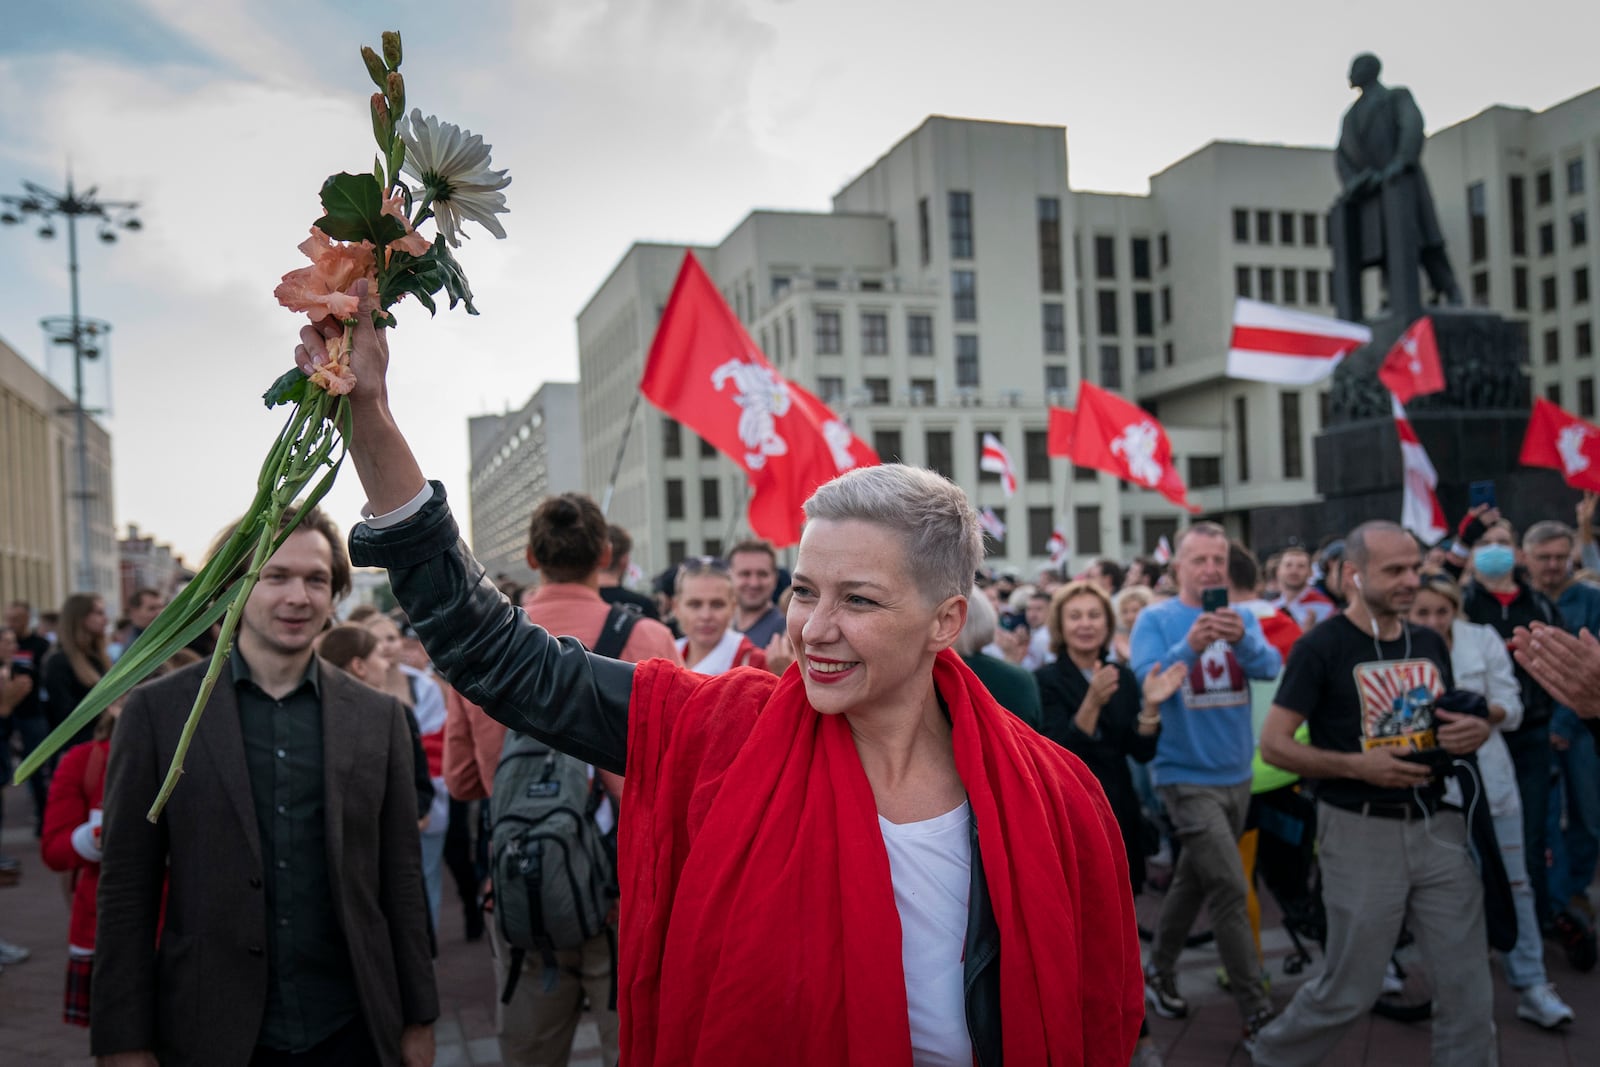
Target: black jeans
1530	755
350	1046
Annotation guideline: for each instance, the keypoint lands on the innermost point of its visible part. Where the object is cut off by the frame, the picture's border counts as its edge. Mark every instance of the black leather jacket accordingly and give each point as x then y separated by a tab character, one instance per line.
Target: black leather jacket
556	690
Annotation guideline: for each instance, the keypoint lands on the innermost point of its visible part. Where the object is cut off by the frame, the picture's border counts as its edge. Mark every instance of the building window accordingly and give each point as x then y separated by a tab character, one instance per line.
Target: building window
1313	287
919	334
1547	238
1085	474
1580	285
1106	312
1141	259
1105	257
674	498
1266	286
1163	252
826	282
1055	328
1517	190
1543	188
1041	526
1579	232
829	334
1049	244
1286	227
1144	313
1036	455
1586	398
1204	472
707	449
794	349
1111	366
874	333
1241	422
1289	428
677	552
871	285
1167	352
781	284
1575	177
1263	227
924	391
1519	288
1086	529
941	452
710	498
1291	286
1241	282
671	438
1552	393
1308	229
877	390
713	546
967	361
1480	289
1241	226
1547	293
1145	358
886	443
960	225
964	295
1166	304
830	388
1552	346
924	238
1478	218
1583	340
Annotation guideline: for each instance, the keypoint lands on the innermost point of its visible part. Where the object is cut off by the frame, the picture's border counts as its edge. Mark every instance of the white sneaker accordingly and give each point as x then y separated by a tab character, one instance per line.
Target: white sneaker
10	953
1538	1004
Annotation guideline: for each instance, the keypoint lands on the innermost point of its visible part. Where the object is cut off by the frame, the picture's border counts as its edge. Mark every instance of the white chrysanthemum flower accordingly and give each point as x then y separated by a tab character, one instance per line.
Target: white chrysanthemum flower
453	166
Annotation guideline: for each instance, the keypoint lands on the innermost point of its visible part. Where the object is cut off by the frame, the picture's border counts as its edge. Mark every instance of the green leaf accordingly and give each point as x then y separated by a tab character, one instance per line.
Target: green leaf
354	206
290	388
455	279
417	275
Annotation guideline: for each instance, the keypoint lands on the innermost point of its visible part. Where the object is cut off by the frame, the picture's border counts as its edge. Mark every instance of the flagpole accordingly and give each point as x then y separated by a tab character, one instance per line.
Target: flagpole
616	466
742	492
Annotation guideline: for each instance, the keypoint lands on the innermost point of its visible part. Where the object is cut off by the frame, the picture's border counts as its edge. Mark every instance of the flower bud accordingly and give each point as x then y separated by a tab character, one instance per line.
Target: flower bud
391	48
395	89
375	68
382	127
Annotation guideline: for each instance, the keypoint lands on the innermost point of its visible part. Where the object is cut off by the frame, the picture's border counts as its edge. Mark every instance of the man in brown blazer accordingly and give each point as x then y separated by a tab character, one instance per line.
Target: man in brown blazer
274	914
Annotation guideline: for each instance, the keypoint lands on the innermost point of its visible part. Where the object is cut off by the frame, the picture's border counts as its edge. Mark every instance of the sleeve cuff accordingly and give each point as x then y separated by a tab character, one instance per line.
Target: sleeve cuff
399	514
431	532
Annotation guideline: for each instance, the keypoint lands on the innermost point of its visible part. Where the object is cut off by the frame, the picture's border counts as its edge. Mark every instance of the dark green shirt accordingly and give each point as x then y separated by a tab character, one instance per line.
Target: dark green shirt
311	989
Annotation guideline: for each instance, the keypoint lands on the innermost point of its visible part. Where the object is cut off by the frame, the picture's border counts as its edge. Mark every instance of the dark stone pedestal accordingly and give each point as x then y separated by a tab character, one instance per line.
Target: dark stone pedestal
1472	431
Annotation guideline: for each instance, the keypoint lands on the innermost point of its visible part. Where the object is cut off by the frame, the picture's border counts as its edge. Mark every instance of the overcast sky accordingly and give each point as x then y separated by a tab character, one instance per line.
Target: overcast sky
620	120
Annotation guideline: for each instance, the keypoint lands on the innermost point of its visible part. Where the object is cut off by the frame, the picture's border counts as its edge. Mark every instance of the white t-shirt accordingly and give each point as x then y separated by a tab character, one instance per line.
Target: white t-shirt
930	863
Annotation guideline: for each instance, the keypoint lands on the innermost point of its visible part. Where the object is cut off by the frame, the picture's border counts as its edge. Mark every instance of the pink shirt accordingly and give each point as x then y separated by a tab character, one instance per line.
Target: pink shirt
473	740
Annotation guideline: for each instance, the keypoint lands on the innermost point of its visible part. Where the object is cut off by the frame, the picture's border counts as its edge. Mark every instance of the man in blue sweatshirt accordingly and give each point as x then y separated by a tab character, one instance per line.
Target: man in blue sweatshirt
1202	766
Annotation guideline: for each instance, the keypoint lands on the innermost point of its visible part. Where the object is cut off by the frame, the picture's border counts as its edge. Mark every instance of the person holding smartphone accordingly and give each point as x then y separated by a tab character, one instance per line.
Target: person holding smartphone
1203	765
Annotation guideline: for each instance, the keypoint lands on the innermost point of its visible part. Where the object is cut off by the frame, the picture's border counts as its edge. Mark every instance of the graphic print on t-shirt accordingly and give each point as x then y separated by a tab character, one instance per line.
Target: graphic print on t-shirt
1397	701
1216	680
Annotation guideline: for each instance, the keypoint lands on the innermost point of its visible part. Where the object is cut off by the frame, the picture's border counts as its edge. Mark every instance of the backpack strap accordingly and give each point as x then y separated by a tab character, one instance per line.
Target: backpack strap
614	634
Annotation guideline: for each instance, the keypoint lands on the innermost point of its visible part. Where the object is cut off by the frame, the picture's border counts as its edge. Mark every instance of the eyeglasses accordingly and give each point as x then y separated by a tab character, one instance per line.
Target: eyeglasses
701	564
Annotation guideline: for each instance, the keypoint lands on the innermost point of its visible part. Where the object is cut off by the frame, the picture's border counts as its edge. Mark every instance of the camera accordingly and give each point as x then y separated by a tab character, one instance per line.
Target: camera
1013	620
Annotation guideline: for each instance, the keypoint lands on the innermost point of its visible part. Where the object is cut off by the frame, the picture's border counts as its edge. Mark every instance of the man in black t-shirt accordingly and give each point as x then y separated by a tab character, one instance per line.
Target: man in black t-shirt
1367	683
28	720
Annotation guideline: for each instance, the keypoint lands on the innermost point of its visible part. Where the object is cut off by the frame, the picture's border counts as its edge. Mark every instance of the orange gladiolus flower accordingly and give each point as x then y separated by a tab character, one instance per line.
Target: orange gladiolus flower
322	290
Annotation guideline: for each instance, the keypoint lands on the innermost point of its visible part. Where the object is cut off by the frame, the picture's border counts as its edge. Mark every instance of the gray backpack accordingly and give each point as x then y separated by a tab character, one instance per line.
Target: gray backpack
553	871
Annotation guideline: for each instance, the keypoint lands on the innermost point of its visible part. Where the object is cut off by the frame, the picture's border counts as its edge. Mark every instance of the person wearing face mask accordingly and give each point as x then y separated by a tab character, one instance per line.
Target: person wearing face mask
1499	596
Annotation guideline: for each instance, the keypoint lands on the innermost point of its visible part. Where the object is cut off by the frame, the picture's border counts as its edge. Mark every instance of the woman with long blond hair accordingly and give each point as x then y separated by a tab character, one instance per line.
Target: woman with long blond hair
79	661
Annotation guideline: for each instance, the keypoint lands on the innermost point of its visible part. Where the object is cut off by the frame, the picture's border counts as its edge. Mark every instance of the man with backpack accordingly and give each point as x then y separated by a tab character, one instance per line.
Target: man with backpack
552	928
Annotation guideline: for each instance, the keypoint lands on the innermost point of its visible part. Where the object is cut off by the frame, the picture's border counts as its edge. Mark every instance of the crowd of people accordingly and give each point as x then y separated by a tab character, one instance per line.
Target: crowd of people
827	813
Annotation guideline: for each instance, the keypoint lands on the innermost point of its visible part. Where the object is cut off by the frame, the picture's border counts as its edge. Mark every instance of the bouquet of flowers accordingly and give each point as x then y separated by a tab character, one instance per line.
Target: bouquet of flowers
368	231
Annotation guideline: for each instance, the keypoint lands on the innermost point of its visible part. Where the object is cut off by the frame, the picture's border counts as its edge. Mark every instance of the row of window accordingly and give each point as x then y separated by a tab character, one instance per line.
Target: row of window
1286	228
829	333
1549	296
1108	322
1582	343
1282	285
1105	256
1516	190
1586	396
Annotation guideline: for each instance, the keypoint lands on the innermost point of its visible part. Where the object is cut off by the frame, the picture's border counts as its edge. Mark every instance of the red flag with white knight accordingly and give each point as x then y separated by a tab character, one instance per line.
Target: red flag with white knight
1560	440
1412	368
704	371
1121	438
1058	440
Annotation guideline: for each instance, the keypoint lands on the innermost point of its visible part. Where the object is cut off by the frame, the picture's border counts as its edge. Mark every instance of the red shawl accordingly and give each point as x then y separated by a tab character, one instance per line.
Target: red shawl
758	917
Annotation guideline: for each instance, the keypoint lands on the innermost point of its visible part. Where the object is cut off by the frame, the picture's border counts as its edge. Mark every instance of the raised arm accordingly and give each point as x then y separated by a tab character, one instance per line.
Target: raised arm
514	670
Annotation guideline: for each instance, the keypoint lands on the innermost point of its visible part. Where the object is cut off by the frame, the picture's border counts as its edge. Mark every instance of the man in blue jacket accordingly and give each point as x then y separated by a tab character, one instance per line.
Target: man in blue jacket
1202	766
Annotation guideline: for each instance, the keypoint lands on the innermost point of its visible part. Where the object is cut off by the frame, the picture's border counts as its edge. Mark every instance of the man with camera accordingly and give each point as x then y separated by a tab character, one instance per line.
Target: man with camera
1203	767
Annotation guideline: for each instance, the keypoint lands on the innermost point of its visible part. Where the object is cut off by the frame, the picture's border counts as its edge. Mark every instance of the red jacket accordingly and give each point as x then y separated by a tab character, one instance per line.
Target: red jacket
77	787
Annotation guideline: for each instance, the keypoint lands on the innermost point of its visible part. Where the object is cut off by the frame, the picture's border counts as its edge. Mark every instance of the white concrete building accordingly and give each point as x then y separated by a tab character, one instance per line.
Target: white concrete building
960	286
519	458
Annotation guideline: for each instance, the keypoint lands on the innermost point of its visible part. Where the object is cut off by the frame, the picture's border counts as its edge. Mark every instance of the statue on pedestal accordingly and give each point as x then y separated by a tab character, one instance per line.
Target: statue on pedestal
1385	217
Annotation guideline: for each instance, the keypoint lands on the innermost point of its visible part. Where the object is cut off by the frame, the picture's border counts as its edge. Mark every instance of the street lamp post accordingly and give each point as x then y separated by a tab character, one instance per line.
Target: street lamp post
39	202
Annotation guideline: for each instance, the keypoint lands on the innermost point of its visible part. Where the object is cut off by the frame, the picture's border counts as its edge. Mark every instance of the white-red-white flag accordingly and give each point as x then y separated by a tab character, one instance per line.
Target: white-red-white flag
997	460
1163	552
1413	368
1274	344
992	524
1057	546
1419	509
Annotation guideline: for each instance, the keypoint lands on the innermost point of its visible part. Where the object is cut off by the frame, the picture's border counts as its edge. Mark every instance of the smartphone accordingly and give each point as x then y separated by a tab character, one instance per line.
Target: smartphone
1213	599
1013	620
1481	493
